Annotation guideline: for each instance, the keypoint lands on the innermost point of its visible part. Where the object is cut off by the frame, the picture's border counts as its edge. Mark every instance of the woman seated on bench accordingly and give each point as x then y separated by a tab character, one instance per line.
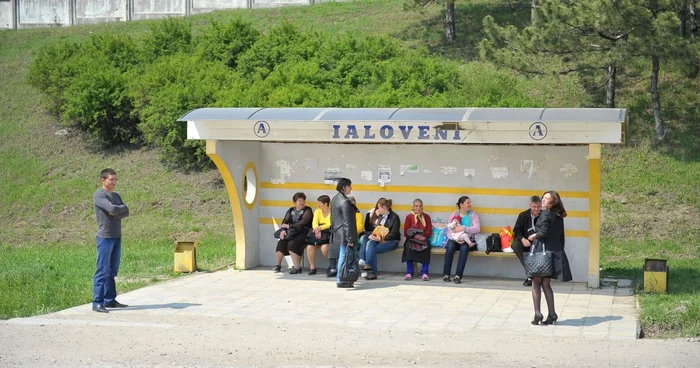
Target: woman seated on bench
417	229
320	234
377	244
295	225
463	225
371	221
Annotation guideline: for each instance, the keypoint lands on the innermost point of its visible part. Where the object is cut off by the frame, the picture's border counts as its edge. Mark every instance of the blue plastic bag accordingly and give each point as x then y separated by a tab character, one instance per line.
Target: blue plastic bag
438	238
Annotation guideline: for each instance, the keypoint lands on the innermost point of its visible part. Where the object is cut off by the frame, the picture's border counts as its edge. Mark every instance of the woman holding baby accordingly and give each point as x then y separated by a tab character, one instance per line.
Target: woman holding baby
461	230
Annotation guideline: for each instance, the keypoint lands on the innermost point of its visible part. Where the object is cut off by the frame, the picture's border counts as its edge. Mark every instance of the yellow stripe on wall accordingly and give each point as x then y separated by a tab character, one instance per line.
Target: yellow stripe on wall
431	209
484	229
423	189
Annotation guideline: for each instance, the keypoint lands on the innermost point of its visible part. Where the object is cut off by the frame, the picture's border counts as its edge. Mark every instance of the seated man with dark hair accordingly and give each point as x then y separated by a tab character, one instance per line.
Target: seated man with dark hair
524	227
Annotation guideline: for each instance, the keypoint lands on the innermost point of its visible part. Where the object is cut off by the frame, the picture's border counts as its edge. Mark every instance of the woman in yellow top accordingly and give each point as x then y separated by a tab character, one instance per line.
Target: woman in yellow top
358	218
320	234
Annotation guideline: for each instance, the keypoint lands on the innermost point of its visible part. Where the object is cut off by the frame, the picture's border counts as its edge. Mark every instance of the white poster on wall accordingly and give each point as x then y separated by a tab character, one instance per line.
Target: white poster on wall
384	175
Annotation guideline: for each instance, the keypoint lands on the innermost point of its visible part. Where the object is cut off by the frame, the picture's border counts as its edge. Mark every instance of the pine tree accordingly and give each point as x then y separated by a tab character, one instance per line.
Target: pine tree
593	36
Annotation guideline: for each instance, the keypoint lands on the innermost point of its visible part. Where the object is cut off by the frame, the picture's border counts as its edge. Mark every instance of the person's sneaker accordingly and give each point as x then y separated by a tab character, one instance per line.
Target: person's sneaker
457	280
362	262
408	277
115	304
528	282
99	308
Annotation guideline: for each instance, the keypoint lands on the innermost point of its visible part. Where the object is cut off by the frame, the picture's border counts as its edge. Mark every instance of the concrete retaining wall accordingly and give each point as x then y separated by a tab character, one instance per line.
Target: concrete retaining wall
48	13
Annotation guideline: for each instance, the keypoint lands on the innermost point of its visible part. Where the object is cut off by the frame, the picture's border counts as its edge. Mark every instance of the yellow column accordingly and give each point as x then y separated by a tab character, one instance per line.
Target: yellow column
594	215
234	198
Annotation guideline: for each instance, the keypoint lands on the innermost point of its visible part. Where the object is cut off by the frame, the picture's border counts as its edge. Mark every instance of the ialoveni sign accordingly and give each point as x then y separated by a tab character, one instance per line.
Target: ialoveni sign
407	132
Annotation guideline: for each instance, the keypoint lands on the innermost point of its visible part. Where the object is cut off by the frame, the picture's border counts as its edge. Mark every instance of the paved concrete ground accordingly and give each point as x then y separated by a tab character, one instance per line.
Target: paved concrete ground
388	303
259	318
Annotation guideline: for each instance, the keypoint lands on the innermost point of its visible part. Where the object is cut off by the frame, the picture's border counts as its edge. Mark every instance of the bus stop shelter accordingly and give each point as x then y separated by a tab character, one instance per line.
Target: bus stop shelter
499	157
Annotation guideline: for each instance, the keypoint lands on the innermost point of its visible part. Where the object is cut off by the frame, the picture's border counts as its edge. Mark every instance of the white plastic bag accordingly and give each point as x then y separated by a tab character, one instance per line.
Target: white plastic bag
480	242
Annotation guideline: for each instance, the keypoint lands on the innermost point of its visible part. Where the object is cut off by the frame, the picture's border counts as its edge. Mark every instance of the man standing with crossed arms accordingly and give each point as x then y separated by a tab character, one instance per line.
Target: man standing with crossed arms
109	210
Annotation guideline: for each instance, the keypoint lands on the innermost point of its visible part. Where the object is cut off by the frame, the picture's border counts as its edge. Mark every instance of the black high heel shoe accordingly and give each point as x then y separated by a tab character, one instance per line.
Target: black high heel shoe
537	320
551	319
295	271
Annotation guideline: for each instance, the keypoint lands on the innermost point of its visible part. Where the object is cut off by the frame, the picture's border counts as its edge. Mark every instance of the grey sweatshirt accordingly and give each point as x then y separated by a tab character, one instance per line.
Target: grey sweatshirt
109	210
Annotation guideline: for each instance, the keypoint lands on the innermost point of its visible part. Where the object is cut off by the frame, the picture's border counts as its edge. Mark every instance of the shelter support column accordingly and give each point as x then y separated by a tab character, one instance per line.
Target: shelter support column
237	163
594	153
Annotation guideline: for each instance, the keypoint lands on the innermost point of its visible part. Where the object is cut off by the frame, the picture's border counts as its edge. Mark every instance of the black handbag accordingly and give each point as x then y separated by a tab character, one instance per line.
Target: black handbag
538	263
278	233
493	243
350	268
312	240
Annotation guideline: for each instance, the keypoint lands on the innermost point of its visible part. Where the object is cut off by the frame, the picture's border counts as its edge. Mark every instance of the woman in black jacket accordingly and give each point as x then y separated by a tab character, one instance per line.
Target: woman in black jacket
295	225
549	231
376	244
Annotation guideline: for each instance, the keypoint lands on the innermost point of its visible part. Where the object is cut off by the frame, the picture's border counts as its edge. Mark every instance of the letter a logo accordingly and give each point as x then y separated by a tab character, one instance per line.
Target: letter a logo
261	129
538	131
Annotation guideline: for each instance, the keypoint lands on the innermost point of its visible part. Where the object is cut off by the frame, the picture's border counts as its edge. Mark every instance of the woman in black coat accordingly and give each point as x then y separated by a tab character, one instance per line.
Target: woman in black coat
295	225
550	232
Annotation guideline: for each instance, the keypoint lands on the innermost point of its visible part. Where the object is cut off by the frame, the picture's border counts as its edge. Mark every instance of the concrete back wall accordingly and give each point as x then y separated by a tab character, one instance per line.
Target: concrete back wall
91	11
7	16
499	179
46	13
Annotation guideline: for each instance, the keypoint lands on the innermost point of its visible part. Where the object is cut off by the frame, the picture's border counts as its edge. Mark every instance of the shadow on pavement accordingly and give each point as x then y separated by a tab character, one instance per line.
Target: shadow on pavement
157	306
588	321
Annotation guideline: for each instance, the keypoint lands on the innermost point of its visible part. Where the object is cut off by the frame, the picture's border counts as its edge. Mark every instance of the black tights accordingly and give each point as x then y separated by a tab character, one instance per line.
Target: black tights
540	284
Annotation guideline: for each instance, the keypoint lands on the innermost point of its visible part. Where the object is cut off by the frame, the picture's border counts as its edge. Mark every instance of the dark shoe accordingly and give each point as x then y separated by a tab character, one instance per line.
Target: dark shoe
115	304
551	319
99	308
457	280
295	271
537	320
528	282
312	272
367	268
371	277
345	285
277	268
446	278
332	273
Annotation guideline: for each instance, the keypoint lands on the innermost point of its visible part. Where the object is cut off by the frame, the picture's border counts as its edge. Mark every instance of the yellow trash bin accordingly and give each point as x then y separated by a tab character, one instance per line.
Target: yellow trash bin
185	256
655	276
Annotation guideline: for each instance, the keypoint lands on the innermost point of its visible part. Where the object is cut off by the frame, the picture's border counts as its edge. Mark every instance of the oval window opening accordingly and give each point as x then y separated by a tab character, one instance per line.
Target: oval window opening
250	186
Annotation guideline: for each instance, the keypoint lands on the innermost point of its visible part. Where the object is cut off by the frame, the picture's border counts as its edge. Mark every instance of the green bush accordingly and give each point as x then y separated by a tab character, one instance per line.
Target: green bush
97	101
225	43
53	70
283	43
121	51
169	36
119	89
167	90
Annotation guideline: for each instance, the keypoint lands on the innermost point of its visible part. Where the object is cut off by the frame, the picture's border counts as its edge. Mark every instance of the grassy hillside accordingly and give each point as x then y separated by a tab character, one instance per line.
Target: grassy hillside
650	205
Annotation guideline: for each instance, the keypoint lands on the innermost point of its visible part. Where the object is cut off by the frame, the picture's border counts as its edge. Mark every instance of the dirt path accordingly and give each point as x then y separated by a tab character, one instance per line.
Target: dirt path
143	341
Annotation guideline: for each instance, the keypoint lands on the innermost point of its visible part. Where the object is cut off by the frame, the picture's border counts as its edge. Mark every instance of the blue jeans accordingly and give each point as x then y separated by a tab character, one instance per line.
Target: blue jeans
424	268
104	289
450	248
374	248
363	246
341	259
